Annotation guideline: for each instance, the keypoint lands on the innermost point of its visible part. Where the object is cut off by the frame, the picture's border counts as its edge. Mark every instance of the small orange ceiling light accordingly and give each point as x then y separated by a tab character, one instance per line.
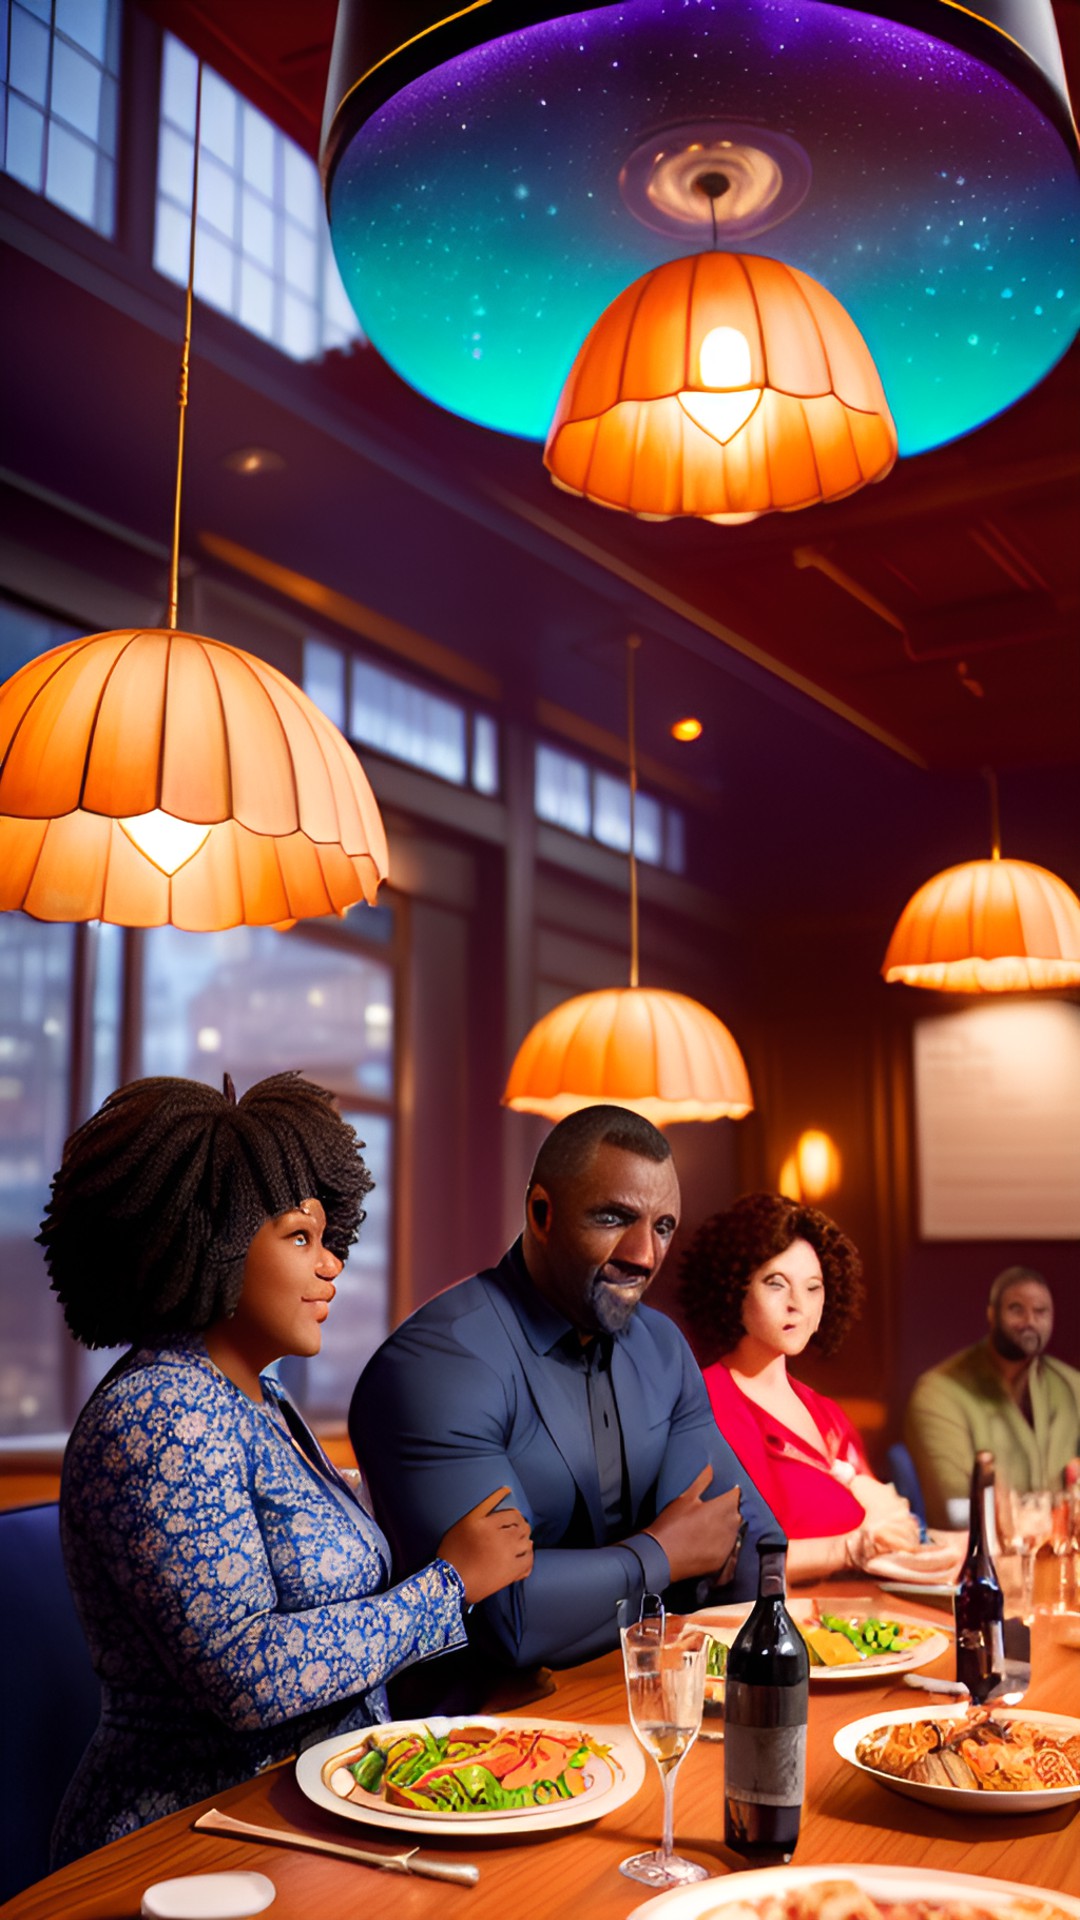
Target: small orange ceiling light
723	384
989	926
159	776
153	776
688	729
661	1054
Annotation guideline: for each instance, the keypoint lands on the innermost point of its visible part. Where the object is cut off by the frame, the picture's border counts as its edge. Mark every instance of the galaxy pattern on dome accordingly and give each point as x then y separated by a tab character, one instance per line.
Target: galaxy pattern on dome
480	231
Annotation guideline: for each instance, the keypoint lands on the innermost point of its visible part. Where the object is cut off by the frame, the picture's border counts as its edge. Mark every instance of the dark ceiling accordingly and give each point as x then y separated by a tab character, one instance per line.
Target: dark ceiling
926	628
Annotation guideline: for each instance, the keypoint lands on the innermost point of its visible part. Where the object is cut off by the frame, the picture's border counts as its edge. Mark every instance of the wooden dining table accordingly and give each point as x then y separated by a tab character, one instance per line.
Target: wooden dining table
847	1818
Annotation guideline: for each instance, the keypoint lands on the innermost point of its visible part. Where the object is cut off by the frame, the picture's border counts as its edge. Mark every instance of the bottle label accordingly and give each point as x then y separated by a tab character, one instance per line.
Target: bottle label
980	1656
765	1765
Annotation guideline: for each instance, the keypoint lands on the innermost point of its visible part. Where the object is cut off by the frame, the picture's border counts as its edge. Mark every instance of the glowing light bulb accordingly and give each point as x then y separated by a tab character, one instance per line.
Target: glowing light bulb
723	362
688	729
788	1179
168	843
818	1163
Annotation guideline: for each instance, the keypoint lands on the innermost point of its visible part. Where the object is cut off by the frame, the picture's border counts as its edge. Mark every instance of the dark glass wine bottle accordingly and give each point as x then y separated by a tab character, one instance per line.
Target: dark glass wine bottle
765	1710
979	1608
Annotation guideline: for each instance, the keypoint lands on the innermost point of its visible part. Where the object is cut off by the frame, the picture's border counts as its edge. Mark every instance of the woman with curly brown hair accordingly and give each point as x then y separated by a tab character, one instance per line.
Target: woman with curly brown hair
760	1283
234	1592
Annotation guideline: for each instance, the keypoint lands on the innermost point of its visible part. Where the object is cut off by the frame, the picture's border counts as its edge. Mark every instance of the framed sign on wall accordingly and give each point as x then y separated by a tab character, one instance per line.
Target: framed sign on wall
997	1122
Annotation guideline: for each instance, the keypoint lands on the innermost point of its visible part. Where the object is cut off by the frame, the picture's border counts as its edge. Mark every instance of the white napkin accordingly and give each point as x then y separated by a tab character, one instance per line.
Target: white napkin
208	1896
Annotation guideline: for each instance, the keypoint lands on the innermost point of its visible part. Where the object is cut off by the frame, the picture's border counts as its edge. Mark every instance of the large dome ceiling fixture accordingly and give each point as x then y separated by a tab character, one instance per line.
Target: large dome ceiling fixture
496	179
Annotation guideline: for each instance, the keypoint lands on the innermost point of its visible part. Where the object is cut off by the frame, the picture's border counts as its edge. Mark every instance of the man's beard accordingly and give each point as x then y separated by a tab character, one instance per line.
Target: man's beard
610	1310
1011	1349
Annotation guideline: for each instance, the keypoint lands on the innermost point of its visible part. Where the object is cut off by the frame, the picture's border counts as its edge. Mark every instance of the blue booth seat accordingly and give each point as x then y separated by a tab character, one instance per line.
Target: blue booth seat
901	1471
50	1691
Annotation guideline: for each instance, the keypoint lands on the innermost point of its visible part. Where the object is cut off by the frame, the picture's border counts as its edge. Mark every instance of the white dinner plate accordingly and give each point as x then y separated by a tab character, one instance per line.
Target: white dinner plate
708	1897
611	1783
726	1621
920	1589
958	1799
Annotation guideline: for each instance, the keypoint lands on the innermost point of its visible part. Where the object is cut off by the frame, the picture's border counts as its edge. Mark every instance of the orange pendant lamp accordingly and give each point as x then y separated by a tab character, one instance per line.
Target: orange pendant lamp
989	926
156	776
721	386
661	1054
161	777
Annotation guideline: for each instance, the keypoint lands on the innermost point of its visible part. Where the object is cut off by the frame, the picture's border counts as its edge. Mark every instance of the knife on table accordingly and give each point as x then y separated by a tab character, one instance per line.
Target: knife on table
411	1861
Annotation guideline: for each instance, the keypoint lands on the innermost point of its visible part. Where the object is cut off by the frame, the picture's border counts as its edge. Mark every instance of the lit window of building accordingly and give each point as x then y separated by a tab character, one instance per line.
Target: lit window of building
596	805
60	93
379	708
262	253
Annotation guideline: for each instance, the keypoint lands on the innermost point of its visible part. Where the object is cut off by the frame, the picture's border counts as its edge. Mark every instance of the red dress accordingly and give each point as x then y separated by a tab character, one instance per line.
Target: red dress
794	1477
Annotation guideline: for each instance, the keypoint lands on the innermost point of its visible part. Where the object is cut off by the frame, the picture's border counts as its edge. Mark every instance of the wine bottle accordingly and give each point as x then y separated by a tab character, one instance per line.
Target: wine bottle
765	1712
979	1607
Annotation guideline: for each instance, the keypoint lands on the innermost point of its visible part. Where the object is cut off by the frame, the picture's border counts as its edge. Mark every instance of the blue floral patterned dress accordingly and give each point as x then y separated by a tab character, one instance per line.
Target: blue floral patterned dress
233	1596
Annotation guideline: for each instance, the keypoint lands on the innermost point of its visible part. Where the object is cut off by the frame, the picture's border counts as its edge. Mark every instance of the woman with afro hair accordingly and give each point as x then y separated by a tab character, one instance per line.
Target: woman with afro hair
760	1283
233	1590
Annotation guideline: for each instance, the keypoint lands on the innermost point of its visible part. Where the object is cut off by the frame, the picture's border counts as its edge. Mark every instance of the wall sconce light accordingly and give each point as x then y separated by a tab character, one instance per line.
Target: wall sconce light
812	1169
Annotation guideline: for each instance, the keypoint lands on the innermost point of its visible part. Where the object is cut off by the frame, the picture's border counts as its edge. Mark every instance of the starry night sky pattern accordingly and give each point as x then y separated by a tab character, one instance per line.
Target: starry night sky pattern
480	231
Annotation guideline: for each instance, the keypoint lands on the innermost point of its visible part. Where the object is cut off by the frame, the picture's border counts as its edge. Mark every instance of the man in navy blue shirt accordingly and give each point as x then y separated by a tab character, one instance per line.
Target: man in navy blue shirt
546	1374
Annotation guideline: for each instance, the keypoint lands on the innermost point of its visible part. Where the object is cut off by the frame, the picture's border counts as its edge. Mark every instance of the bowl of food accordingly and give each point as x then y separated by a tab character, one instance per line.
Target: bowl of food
983	1760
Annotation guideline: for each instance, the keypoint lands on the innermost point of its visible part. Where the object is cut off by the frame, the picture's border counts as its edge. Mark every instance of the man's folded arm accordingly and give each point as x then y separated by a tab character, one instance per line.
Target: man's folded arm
566	1610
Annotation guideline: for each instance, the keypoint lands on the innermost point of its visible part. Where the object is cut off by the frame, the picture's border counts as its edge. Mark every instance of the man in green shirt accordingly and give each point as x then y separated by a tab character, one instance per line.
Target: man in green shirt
1004	1394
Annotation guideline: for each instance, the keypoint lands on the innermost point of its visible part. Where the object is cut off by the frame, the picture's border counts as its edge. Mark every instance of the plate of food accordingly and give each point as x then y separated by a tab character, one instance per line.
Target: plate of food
474	1774
857	1893
846	1639
937	1591
973	1760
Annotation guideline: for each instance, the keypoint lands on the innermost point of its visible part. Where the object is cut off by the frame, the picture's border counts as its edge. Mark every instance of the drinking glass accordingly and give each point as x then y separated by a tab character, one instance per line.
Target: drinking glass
665	1687
1025	1521
1065	1540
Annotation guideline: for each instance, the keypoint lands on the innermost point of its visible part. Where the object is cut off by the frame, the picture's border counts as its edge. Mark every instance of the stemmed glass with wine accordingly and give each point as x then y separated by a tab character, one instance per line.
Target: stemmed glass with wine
664	1664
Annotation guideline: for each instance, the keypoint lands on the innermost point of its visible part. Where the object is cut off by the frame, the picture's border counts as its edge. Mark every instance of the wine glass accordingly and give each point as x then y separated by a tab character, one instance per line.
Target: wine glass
1025	1521
665	1687
1065	1540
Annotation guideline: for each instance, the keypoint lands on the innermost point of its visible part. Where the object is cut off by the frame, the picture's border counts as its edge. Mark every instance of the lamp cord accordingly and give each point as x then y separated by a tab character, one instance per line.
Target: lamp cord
633	642
185	367
712	185
995	816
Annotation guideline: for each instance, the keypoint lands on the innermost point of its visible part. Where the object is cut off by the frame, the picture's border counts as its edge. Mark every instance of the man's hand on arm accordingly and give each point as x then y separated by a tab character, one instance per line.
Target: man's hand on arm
699	1536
